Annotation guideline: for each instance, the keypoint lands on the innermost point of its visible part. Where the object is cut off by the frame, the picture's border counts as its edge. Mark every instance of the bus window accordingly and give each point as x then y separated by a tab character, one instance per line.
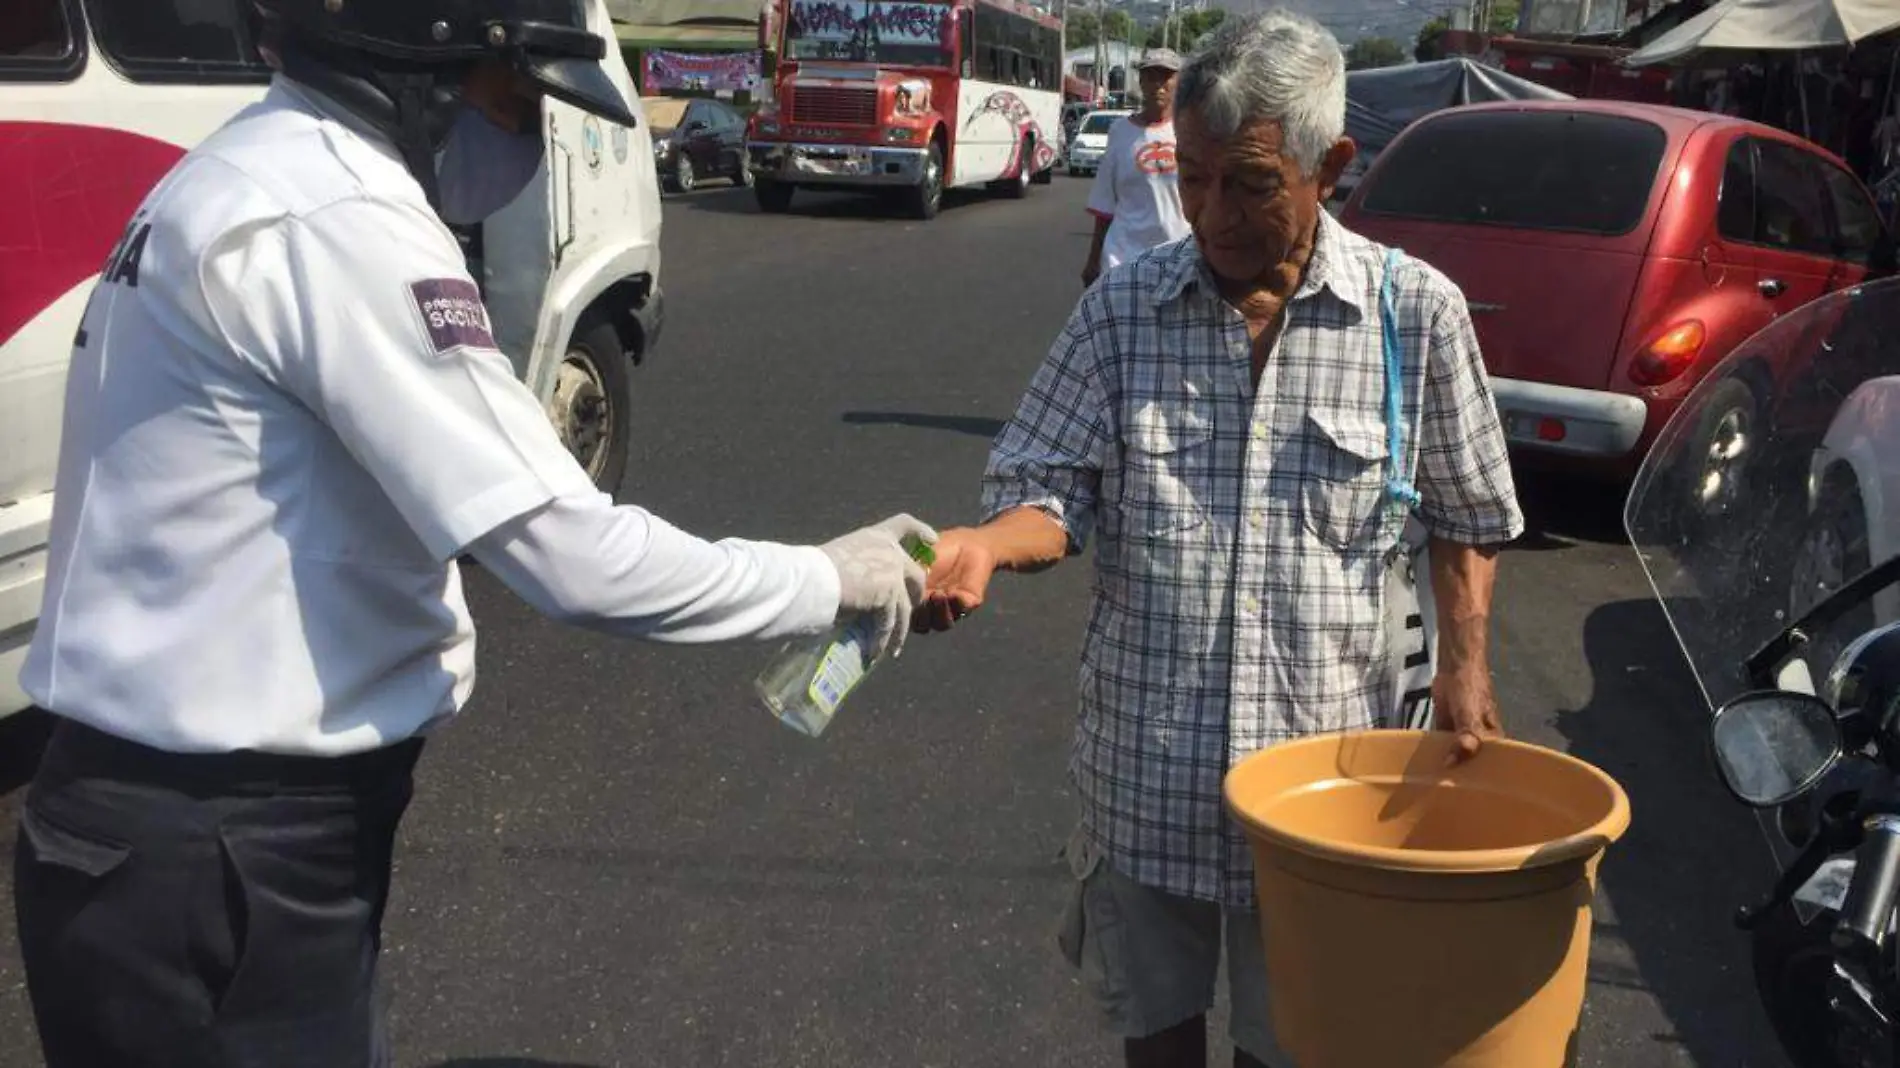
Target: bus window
177	40
37	42
966	25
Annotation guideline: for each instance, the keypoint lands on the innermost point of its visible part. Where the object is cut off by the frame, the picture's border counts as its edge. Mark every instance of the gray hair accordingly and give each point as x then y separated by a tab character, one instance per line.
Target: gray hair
1276	66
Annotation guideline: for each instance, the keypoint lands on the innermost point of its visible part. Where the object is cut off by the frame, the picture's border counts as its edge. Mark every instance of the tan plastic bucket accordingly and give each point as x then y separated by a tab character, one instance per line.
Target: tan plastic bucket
1419	916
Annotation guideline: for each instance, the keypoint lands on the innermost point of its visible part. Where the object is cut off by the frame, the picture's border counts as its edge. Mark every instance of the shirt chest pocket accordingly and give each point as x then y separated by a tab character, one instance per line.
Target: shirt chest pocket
1344	492
1167	472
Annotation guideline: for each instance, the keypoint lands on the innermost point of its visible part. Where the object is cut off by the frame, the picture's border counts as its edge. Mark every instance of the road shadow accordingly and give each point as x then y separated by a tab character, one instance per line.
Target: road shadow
814	205
975	426
508	1062
1692	855
1561	509
23	738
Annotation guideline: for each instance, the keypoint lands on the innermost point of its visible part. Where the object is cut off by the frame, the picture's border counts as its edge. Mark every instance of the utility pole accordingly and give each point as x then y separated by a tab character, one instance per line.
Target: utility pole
1062	52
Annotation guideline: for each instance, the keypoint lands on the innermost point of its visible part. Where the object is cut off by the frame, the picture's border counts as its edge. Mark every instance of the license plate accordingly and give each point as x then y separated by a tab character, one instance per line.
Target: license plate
836	165
1827	889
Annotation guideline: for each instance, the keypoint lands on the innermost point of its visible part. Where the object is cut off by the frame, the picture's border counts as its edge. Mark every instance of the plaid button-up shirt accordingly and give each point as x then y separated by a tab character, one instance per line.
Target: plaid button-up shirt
1241	531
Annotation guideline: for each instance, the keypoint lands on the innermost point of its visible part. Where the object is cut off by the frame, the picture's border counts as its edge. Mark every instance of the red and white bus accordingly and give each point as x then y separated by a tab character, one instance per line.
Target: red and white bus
99	98
909	99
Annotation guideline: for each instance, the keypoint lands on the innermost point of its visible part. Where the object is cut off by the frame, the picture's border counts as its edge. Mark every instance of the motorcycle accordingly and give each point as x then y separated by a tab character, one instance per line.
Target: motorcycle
1773	547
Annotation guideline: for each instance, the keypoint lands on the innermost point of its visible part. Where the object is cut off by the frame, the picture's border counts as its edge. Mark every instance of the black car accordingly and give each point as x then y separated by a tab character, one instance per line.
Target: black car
695	139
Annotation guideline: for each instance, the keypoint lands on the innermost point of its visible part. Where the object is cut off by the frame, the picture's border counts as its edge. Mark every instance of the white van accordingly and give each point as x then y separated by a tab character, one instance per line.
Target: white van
98	98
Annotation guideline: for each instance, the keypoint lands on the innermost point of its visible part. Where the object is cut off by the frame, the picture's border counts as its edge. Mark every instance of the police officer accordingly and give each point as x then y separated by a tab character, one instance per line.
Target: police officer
286	418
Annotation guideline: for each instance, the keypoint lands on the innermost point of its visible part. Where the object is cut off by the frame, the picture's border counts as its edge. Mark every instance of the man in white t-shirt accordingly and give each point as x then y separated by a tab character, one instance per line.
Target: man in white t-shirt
1136	201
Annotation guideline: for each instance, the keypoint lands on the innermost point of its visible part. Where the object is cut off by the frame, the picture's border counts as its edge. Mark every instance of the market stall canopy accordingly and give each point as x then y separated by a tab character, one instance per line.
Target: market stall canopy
1368	129
1382	101
676	12
698	25
1745	26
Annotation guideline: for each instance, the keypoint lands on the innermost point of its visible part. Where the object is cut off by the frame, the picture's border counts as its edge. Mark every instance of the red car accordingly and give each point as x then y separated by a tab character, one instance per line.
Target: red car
1612	252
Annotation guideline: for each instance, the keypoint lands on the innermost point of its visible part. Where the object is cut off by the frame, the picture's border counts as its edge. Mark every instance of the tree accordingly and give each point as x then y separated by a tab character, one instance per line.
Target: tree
1083	28
1369	52
1187	29
1426	48
1503	17
1503	20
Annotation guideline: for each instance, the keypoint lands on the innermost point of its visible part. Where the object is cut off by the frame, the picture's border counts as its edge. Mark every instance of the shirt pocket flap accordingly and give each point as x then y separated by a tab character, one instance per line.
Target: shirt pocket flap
1352	432
1162	430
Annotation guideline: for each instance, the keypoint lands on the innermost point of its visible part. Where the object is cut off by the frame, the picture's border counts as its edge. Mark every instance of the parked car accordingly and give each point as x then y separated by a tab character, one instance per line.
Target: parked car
1611	253
697	138
1091	141
1072	113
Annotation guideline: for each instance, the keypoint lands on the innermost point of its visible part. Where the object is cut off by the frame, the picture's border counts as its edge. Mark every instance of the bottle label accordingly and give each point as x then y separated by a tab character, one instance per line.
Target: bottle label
841	669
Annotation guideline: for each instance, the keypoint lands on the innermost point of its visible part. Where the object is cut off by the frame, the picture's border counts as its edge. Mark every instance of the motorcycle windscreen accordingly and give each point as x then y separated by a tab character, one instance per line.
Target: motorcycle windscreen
1768	489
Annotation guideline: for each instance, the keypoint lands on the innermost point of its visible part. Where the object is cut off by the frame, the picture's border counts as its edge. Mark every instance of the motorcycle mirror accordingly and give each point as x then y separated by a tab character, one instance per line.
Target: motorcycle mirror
1771	746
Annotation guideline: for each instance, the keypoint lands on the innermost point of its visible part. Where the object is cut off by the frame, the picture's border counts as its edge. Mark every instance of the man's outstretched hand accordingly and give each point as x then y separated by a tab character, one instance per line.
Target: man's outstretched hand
957	583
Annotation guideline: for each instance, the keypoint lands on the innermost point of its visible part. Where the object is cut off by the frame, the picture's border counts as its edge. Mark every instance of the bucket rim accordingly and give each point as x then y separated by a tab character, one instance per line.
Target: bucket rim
1582	845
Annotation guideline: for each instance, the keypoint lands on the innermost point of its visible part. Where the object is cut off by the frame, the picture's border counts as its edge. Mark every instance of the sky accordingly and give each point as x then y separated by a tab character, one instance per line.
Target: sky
1352	19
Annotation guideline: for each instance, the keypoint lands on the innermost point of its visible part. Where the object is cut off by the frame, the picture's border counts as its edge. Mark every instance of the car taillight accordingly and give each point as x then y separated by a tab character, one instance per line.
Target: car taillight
1664	359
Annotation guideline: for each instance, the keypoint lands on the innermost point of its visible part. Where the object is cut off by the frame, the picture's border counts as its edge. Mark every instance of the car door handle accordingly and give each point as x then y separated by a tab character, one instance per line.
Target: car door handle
1772	287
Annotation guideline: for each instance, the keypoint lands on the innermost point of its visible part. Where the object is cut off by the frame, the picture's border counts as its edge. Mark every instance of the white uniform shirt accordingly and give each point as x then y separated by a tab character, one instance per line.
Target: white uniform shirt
286	416
1138	191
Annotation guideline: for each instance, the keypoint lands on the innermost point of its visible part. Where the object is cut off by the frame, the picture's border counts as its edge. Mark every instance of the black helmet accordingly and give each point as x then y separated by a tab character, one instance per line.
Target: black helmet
1864	685
547	40
399	63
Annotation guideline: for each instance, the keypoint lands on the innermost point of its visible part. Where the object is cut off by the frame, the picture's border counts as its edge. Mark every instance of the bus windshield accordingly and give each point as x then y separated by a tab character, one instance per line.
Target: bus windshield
869	31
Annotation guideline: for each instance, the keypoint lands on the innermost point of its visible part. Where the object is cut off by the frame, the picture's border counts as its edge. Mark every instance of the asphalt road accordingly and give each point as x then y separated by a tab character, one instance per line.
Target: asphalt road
617	858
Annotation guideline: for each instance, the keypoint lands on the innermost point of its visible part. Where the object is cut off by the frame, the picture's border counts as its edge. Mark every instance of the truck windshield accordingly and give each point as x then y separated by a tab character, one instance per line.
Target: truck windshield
869	31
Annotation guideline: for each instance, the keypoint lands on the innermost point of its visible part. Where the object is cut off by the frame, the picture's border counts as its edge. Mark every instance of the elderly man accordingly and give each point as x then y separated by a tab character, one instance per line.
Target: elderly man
1216	411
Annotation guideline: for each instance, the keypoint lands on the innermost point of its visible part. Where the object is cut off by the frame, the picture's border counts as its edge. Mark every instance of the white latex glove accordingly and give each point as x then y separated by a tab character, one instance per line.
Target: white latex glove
877	576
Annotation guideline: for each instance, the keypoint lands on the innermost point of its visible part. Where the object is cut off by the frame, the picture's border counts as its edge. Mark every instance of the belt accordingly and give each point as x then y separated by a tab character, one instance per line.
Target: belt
80	751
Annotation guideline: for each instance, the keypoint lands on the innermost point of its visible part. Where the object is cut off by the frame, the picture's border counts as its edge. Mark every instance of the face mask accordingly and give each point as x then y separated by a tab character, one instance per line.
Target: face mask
483	167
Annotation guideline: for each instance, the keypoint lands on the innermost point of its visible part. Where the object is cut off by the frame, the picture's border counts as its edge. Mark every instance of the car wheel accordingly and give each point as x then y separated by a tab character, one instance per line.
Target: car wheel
774	197
1833	551
926	197
684	175
591	407
1725	441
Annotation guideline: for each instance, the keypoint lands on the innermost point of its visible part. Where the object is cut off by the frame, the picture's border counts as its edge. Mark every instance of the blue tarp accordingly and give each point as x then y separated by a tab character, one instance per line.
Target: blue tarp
1385	100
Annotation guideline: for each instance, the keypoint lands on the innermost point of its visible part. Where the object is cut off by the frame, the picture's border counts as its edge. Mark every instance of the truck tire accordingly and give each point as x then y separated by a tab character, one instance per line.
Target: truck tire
1016	186
923	200
592	404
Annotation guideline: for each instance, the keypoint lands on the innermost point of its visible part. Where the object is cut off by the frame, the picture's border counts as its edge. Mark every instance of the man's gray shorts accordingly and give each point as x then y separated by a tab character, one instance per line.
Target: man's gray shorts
1151	958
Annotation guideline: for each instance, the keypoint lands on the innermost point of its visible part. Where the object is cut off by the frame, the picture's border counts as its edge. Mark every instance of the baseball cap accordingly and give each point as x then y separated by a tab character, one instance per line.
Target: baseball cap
1164	58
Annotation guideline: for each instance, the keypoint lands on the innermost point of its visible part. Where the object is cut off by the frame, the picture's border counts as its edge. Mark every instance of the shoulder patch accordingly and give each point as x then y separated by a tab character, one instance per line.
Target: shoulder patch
453	314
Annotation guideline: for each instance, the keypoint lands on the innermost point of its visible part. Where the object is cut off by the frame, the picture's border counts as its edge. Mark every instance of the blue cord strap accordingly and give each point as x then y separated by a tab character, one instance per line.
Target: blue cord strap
1399	491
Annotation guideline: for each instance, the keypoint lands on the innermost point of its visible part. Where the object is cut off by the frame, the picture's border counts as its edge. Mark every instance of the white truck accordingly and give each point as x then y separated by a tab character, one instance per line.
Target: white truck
98	98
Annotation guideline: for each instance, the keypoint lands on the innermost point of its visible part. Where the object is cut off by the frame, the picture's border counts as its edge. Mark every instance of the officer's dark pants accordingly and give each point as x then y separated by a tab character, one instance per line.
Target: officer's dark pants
206	911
